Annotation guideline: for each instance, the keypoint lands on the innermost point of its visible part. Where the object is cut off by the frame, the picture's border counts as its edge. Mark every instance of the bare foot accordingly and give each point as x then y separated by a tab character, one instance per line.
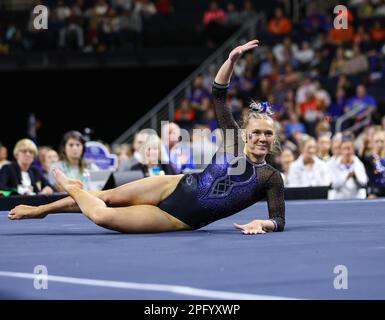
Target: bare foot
25	212
64	182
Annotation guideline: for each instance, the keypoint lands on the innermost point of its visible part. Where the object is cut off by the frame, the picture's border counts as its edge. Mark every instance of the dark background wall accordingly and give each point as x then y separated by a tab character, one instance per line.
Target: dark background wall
108	101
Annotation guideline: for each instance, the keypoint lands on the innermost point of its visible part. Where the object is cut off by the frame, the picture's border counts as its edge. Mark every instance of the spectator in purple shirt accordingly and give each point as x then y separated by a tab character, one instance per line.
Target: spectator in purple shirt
361	99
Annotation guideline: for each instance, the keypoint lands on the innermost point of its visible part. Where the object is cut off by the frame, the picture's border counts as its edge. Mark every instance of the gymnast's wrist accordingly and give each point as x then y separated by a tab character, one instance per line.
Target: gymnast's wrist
268	225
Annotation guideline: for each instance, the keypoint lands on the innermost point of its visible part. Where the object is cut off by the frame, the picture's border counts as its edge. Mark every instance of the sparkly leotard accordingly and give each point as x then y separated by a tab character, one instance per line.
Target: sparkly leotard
229	184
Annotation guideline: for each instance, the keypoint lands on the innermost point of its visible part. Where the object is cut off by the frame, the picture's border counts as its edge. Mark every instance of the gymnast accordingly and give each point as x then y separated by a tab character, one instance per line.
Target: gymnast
190	201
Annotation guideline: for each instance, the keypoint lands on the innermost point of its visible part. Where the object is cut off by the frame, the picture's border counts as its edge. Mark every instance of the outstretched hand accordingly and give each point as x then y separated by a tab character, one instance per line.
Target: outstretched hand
254	227
238	51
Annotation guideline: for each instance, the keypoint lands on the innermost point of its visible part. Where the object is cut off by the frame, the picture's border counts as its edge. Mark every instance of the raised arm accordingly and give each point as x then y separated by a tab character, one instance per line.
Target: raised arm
224	74
221	83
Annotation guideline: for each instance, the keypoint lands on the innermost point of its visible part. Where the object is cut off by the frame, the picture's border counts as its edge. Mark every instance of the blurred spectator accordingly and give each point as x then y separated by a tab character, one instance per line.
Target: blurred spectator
72	163
290	79
214	14
39	160
337	107
284	50
294	125
308	170
363	142
311	111
322	95
209	77
375	166
146	8
379	11
323	127
131	27
185	115
306	85
305	54
139	139
100	8
213	21
203	146
200	97
150	153
279	25
246	85
285	159
50	157
341	36
267	65
62	11
335	147
315	22
248	12
377	33
178	155
362	38
3	156
121	4
362	100
20	176
337	66
357	63
123	151
233	16
323	146
348	176
365	9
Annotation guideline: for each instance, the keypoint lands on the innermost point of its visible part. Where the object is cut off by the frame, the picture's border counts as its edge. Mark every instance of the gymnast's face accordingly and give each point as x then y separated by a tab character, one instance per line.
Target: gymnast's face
260	135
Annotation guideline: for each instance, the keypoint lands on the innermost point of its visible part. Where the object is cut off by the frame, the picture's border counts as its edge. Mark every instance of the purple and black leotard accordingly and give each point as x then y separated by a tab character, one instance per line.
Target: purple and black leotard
220	191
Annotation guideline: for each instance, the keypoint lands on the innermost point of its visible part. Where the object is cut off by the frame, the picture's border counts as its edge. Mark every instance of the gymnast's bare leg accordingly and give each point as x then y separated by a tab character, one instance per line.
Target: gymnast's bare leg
147	191
133	219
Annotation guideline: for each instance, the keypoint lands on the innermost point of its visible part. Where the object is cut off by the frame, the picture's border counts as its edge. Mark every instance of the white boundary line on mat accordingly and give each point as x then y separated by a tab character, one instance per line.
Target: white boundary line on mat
333	202
182	290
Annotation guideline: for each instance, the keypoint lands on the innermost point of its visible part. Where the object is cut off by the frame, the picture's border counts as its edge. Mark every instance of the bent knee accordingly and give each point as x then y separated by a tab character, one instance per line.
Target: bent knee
101	217
105	196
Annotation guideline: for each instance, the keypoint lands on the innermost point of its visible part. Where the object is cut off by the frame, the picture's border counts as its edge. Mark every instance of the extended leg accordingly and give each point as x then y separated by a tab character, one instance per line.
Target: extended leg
150	191
134	219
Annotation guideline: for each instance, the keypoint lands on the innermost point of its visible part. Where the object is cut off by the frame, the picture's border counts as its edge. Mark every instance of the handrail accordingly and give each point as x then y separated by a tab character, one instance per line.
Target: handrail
348	115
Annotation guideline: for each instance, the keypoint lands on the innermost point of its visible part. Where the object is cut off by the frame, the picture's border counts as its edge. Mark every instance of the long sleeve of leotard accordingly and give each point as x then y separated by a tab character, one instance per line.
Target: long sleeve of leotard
275	196
225	117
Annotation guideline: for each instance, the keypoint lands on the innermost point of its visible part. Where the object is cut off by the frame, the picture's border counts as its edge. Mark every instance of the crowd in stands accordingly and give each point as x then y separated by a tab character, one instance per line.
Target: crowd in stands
111	25
312	75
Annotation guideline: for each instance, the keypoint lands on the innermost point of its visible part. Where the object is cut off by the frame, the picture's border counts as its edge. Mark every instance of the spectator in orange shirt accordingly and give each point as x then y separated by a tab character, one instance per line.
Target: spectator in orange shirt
185	115
279	25
339	37
377	33
310	111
